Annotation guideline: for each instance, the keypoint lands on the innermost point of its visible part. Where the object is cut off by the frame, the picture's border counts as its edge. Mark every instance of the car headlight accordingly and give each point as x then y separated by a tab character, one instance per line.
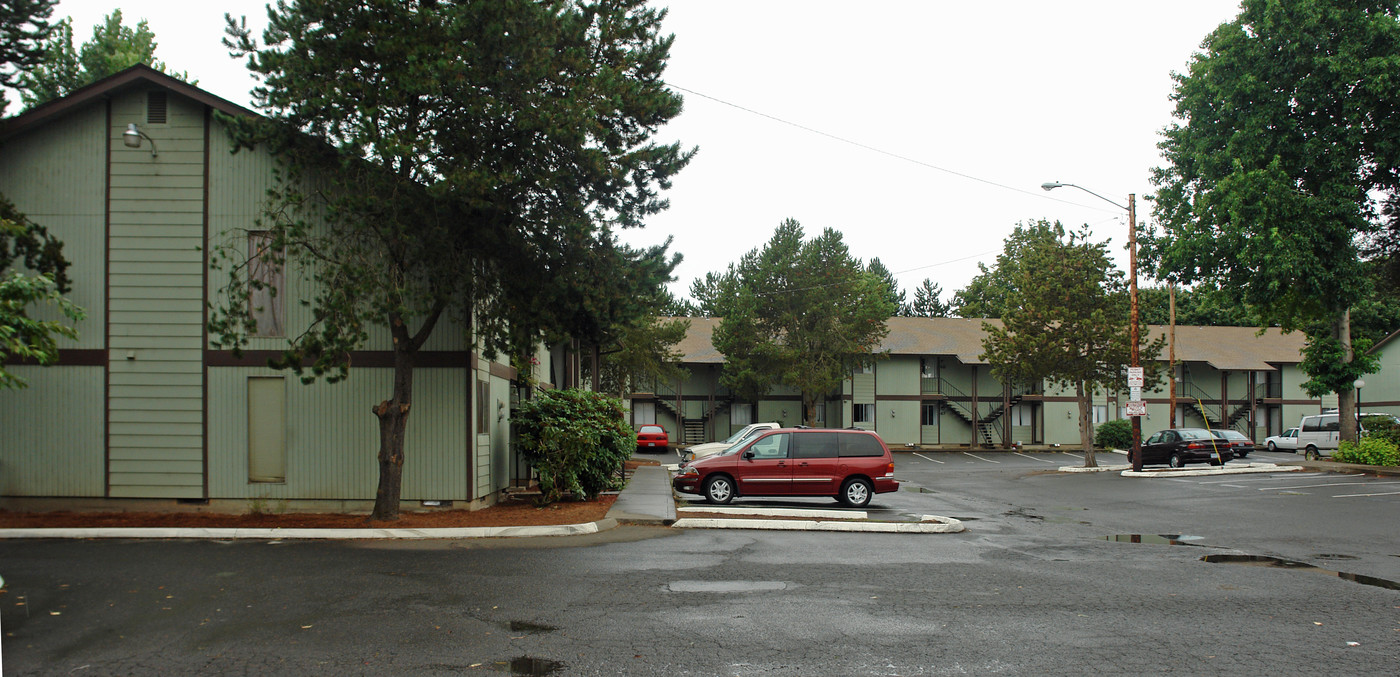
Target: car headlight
688	472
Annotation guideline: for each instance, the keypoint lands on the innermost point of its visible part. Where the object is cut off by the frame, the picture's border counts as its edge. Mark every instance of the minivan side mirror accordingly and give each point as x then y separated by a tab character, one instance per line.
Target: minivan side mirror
748	455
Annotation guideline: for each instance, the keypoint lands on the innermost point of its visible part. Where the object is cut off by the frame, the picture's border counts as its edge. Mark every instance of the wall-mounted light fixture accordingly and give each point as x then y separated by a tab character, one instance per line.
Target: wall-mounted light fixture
133	135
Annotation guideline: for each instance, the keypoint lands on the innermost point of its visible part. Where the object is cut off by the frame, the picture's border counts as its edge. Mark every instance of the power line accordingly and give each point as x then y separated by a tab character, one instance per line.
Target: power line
882	151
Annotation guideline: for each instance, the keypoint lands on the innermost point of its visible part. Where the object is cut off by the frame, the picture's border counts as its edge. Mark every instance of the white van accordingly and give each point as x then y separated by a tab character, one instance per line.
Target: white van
1322	433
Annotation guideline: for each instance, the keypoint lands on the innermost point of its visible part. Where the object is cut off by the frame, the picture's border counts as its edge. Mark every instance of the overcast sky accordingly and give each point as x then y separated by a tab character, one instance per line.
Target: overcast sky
922	130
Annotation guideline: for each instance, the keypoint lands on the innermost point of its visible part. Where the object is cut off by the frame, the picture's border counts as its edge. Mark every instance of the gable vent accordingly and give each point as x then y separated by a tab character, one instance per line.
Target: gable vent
155	108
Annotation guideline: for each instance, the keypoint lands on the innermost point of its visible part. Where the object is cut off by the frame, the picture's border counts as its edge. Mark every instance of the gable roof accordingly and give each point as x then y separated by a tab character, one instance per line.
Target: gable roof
1225	348
1375	349
139	75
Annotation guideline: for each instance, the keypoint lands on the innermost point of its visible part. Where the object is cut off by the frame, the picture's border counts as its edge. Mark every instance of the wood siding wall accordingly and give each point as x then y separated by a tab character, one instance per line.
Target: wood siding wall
156	319
53	430
53	433
332	437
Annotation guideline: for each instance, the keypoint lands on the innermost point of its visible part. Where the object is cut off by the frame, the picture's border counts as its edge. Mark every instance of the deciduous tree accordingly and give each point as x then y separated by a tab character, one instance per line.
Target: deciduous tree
984	296
478	156
114	47
1285	149
795	313
1065	319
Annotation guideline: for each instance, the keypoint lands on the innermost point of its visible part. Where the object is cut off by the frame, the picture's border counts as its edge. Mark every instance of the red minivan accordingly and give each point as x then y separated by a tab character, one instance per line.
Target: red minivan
850	465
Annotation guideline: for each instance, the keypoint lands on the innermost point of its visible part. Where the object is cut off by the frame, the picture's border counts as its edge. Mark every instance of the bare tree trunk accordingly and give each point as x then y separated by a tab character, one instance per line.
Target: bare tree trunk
393	415
393	426
1346	396
1086	419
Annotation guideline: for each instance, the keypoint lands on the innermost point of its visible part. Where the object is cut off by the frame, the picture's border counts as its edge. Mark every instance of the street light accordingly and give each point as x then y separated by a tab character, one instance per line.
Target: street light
1359	385
1132	300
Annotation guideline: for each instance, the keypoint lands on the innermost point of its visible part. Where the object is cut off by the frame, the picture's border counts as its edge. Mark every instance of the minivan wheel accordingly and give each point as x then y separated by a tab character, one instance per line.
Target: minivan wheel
1311	454
719	489
856	492
1176	461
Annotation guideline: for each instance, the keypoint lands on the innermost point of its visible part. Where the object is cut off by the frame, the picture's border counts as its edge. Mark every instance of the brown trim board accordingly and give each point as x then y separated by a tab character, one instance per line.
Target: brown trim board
438	359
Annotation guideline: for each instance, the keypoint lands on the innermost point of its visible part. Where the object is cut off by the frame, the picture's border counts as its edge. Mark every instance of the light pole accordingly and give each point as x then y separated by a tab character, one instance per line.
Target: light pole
1132	301
1359	385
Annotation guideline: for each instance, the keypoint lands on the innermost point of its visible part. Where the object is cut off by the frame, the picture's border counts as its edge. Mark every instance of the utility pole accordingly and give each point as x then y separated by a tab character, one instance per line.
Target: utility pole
1171	348
1133	320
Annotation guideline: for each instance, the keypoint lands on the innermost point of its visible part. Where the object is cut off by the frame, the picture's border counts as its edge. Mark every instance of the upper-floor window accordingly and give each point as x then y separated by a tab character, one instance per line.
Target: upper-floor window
267	284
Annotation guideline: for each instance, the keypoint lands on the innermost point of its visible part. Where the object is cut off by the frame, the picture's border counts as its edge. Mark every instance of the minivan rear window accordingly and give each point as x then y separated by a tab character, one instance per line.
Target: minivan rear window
860	444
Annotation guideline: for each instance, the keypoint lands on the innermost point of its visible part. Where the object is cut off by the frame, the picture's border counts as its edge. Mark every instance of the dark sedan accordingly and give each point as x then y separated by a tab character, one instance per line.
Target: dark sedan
1239	443
1178	446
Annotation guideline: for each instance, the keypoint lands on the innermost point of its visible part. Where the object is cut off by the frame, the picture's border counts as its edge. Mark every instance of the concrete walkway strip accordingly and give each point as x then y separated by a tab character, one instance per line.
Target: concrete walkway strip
299	534
931	524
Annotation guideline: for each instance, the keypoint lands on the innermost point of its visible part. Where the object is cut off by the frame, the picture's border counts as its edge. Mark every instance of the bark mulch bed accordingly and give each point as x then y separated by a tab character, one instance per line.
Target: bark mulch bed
511	512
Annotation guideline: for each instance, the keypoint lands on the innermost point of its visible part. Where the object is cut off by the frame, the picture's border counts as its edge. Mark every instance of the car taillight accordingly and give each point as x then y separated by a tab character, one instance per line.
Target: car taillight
1195	445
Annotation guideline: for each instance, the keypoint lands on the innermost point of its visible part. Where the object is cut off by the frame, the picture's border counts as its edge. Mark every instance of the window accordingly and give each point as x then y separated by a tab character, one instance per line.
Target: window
860	444
929	414
1100	413
820	413
483	407
643	412
741	414
815	445
1021	415
864	369
772	446
863	413
267	429
266	284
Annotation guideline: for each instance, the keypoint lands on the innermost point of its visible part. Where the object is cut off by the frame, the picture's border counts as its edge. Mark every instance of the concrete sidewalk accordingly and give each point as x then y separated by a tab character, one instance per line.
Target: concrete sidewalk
646	499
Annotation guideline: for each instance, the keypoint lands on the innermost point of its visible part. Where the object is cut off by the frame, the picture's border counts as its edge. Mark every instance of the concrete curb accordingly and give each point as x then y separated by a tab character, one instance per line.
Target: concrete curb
306	534
1101	468
1220	470
932	524
778	512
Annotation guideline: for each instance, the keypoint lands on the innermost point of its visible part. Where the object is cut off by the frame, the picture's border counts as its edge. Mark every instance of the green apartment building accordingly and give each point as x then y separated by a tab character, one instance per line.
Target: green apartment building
144	405
933	390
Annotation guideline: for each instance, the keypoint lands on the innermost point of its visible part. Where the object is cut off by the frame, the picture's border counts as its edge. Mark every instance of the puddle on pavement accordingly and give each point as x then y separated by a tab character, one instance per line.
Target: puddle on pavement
531	628
1154	539
534	667
726	586
1275	562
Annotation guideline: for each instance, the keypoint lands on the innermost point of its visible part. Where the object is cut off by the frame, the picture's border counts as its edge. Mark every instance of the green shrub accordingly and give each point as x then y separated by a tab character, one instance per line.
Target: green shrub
1370	451
575	440
1382	427
1114	434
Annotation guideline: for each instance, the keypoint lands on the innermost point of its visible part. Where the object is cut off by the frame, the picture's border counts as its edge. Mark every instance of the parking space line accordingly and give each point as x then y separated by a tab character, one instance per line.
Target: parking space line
1066	453
928	459
1032	457
1271	478
1388	493
980	458
1338	484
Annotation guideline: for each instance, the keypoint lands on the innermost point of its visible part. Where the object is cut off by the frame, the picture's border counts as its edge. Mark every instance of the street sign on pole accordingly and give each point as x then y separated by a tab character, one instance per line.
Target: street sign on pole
1136	408
1135	377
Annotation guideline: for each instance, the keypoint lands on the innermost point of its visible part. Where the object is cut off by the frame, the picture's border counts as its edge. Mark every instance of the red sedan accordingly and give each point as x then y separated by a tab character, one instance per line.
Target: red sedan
652	438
